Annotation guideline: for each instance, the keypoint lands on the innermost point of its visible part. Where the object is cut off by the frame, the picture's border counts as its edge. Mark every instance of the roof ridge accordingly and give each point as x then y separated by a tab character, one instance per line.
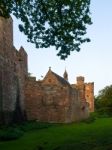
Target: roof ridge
61	79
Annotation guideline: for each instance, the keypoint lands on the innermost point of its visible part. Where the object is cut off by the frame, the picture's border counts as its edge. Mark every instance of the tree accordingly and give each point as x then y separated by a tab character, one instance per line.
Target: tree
59	23
103	101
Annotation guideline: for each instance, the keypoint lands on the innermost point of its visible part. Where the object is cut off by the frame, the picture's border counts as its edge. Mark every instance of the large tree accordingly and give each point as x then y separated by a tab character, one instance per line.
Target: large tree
59	23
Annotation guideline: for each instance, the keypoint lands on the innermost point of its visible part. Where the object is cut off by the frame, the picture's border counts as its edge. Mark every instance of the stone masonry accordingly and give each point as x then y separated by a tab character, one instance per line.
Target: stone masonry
52	99
13	70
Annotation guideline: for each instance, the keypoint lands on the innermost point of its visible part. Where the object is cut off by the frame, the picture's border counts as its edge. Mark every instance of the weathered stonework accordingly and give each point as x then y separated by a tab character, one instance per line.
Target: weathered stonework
86	91
52	99
13	70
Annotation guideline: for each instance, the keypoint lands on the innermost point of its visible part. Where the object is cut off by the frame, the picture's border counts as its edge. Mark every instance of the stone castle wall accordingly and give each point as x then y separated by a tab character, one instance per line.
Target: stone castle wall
86	91
12	75
89	95
51	100
46	103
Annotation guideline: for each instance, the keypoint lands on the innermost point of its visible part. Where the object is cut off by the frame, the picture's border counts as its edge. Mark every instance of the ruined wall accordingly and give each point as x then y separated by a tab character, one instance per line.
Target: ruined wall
45	103
52	103
6	35
54	100
86	92
12	76
33	96
79	107
89	95
50	100
1	78
81	87
6	67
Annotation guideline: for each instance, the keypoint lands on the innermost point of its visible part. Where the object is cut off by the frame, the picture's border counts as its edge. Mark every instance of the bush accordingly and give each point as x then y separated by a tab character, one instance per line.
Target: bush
10	134
104	112
33	125
91	118
15	131
103	102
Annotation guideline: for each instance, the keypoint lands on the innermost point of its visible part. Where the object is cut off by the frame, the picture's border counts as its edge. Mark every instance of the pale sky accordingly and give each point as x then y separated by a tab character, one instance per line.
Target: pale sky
94	61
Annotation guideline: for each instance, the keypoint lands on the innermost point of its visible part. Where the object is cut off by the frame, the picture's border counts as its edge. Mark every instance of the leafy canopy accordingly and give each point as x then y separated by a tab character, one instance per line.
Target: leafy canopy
59	23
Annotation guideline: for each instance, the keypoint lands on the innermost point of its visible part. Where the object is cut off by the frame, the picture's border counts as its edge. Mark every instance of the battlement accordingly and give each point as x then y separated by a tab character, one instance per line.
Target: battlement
86	91
80	80
89	83
89	86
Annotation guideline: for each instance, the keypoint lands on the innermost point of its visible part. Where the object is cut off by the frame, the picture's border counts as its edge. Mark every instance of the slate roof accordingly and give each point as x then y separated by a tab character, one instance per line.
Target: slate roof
61	80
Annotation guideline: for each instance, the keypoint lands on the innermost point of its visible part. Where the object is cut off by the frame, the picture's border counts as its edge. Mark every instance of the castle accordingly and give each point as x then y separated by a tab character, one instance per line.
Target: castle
52	99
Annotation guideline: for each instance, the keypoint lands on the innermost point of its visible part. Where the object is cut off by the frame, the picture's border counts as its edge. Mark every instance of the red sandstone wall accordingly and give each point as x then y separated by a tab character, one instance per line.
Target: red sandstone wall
12	75
48	100
86	92
32	98
52	103
89	95
6	36
46	103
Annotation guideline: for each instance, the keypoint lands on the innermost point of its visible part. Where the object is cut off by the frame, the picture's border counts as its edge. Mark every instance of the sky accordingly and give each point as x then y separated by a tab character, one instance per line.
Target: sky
94	61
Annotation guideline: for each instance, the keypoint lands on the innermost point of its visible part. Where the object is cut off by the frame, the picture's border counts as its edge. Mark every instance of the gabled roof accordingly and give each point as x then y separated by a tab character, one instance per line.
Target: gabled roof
59	78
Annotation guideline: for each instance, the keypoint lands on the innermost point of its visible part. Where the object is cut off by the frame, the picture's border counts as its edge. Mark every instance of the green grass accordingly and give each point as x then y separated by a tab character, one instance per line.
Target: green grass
77	136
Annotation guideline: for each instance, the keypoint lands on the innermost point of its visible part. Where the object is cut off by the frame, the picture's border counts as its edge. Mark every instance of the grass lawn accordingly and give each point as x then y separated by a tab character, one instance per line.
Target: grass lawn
77	136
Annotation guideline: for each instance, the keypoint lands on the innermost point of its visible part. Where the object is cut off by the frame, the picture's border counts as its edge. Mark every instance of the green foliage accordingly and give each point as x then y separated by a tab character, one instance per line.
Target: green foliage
59	23
5	10
103	102
91	118
17	130
33	125
10	134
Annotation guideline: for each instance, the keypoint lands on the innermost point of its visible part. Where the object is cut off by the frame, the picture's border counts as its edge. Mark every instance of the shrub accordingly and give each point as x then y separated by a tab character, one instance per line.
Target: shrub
10	134
33	125
91	118
15	131
104	112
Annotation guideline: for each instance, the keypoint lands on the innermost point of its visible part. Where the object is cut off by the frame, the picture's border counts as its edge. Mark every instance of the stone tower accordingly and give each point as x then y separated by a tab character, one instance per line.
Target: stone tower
13	69
86	91
81	87
89	95
80	80
6	35
6	43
